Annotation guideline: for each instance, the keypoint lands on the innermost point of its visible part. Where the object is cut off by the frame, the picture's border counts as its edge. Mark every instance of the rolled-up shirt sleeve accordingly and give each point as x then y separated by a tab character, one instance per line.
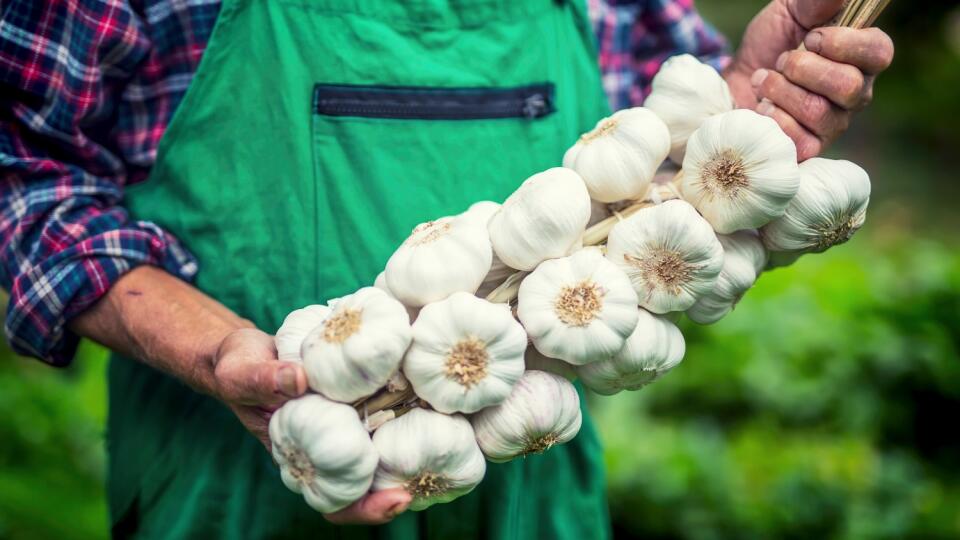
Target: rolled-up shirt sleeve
64	238
635	37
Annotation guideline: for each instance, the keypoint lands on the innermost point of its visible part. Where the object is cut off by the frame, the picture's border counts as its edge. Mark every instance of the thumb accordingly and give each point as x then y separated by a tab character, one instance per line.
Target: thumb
263	382
373	509
813	13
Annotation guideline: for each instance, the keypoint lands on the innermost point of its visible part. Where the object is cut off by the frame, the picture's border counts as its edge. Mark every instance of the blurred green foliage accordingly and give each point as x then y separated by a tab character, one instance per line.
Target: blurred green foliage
824	406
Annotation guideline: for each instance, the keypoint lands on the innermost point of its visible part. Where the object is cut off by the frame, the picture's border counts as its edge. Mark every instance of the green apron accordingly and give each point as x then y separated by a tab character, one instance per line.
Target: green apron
315	135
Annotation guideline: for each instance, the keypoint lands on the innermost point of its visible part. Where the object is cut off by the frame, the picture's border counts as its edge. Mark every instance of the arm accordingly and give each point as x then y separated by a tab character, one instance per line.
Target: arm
74	262
812	94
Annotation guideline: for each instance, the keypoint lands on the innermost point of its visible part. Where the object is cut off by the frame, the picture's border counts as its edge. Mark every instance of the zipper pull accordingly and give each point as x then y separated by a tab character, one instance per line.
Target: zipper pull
534	106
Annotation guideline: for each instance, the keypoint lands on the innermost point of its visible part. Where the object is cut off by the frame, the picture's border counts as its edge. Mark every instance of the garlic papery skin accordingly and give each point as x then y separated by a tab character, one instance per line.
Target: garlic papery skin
358	346
618	158
535	360
440	258
323	451
744	257
543	219
740	171
829	208
684	93
542	411
467	353
295	327
579	308
655	347
670	253
433	456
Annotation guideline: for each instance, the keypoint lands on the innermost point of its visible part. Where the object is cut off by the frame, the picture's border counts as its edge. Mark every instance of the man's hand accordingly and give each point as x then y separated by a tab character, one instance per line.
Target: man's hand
812	94
252	382
171	326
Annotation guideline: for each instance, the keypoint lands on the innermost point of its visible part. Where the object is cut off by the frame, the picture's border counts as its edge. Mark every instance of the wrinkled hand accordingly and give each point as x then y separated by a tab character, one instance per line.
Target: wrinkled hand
253	383
812	94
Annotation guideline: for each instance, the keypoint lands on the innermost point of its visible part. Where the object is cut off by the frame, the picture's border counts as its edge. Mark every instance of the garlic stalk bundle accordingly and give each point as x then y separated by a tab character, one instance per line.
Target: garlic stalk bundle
598	212
829	208
740	171
543	219
579	308
358	346
439	258
467	353
535	360
670	254
323	451
685	92
617	159
542	411
295	327
655	347
433	456
743	259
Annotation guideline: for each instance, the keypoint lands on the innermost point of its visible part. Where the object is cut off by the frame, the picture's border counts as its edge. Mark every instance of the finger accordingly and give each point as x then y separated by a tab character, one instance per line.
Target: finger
815	112
247	371
812	13
869	49
808	144
270	382
373	509
842	84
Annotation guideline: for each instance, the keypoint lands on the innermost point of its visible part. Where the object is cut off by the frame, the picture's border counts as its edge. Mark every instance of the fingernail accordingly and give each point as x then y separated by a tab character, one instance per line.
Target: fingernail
782	61
758	77
286	380
396	510
812	41
765	107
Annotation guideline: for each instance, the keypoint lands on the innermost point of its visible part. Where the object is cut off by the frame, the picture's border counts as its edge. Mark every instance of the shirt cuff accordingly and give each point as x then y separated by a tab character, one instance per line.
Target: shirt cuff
46	295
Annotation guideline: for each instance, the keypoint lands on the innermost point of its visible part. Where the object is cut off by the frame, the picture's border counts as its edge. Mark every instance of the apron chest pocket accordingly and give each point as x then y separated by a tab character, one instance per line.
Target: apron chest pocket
430	103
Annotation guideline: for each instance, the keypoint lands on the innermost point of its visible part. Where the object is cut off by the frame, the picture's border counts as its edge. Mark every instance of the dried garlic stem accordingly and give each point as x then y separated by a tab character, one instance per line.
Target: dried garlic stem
857	14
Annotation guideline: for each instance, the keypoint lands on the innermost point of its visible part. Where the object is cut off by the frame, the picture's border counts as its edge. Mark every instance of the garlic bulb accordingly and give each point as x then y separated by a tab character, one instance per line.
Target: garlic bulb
467	354
619	157
543	410
670	253
433	456
381	283
295	328
829	208
358	346
323	452
740	170
535	360
579	308
684	93
543	219
655	347
743	259
439	258
482	211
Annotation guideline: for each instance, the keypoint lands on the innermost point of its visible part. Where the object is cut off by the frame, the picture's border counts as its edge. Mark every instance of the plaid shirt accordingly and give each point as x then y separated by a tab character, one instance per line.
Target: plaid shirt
87	88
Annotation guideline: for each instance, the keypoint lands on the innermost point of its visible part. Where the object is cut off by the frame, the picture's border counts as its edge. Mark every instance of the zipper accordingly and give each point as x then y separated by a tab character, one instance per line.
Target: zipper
431	103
